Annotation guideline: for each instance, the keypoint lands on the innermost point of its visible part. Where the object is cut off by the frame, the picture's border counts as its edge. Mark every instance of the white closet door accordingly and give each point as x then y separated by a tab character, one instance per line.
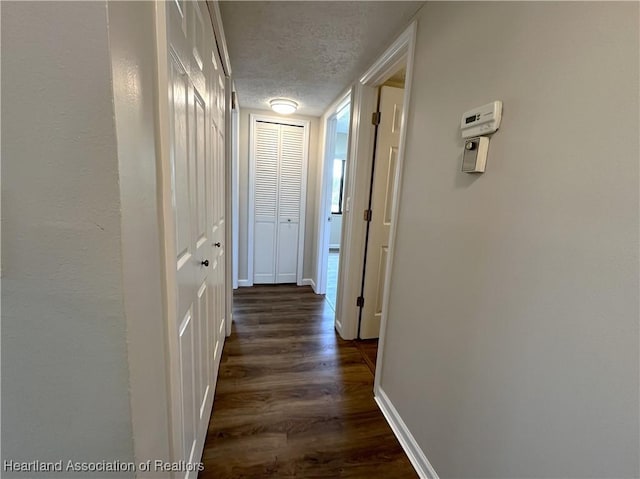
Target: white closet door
289	202
278	182
266	152
198	201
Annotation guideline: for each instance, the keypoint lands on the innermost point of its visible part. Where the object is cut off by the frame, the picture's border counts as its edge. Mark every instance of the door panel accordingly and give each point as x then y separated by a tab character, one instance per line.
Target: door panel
204	349
266	146
385	165
187	356
389	192
382	270
201	173
265	253
179	161
289	197
287	257
291	158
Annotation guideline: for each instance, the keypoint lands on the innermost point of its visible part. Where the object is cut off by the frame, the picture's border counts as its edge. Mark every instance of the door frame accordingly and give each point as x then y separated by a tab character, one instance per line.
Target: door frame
324	201
168	230
362	139
253	119
235	188
230	139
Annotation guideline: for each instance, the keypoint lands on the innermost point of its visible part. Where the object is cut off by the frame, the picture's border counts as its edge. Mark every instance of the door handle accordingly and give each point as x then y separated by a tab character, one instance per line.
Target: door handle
217	245
205	263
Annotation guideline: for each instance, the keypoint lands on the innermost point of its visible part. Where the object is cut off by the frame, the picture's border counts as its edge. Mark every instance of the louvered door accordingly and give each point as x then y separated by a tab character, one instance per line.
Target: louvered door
279	160
266	154
289	202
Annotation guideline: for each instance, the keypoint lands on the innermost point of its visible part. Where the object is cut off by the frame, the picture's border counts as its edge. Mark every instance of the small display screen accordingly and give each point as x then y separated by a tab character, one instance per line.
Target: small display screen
469	119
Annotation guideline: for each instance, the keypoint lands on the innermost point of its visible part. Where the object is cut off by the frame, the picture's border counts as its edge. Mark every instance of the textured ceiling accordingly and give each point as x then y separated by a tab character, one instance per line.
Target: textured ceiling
307	51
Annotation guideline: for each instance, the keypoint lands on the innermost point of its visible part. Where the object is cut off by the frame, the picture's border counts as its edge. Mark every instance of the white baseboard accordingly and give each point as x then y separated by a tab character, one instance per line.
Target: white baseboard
419	461
244	283
309	282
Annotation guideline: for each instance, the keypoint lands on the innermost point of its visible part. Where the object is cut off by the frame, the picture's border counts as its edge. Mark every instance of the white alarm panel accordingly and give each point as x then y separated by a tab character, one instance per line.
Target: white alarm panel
481	121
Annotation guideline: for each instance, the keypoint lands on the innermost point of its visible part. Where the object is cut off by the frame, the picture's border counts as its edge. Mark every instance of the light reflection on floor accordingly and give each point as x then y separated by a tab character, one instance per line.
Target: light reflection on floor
332	278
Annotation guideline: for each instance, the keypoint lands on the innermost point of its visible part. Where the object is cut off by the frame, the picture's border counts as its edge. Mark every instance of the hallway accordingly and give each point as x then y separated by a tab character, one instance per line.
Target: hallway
293	399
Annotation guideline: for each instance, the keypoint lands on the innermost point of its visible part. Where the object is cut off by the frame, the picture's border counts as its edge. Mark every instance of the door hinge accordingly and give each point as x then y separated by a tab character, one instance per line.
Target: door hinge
367	215
375	118
360	301
234	100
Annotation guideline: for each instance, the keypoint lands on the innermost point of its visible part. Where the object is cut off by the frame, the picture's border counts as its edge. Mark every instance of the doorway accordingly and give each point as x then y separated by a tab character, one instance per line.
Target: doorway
277	199
380	210
336	164
381	195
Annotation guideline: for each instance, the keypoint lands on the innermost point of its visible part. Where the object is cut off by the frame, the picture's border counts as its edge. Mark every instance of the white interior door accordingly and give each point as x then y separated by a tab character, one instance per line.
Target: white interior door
197	170
385	164
278	188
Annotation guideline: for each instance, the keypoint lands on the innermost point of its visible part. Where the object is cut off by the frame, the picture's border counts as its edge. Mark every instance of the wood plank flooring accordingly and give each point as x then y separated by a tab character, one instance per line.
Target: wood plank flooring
369	350
295	400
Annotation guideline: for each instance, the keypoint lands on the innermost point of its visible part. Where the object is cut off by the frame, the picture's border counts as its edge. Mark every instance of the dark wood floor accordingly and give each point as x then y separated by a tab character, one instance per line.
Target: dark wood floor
293	399
369	350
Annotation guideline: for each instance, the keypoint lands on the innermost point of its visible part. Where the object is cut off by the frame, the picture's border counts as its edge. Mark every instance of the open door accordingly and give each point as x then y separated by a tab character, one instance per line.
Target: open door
381	207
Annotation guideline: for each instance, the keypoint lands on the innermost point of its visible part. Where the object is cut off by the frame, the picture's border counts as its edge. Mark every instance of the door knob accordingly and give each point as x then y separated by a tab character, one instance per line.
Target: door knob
217	245
205	263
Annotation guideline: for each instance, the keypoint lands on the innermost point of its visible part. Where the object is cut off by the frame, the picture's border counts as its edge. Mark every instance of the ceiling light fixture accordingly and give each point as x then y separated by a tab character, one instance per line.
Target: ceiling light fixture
283	106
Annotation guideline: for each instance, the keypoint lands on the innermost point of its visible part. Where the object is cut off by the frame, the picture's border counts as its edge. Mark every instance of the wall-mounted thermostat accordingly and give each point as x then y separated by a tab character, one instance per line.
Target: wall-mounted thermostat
474	158
483	120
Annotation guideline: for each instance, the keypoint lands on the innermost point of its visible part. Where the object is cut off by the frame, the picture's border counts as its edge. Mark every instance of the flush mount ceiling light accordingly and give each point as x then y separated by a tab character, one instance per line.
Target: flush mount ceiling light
283	106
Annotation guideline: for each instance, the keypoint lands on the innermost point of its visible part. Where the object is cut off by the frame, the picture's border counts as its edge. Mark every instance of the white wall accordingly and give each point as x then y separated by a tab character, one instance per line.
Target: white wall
336	231
512	342
83	361
65	379
243	170
133	56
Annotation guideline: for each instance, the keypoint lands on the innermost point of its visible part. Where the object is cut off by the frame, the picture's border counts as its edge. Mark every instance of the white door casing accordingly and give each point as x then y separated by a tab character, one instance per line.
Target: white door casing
277	199
382	196
193	159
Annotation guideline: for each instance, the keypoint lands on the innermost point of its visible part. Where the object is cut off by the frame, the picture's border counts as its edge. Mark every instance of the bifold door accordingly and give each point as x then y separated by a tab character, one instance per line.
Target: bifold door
196	136
279	170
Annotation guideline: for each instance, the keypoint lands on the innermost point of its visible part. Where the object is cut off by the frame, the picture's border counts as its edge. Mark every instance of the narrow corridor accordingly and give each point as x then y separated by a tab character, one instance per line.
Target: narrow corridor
295	400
